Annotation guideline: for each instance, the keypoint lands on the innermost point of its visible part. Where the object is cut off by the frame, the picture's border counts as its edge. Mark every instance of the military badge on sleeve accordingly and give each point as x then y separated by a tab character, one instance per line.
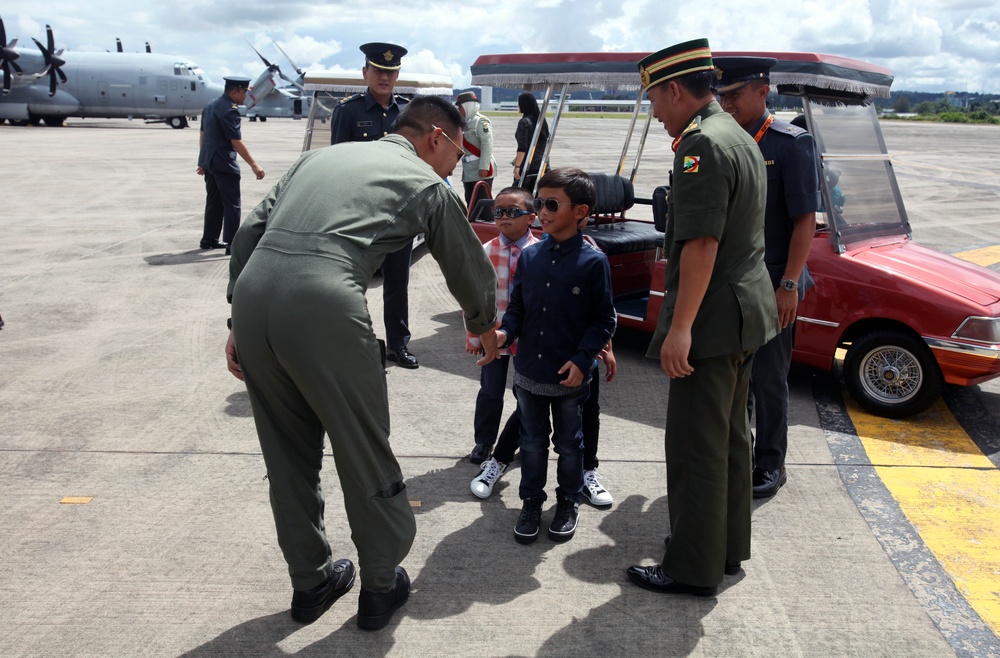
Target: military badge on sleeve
691	164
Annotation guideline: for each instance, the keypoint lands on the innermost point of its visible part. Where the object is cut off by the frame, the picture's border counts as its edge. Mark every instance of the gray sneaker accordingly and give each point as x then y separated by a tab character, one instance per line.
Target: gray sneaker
489	473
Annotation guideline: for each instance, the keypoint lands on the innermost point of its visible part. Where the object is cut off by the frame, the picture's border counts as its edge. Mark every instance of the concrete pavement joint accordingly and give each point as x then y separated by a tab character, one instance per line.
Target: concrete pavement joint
960	625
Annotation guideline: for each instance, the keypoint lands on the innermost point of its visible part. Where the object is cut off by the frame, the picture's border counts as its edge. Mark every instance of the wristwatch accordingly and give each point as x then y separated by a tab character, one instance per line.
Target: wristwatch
788	284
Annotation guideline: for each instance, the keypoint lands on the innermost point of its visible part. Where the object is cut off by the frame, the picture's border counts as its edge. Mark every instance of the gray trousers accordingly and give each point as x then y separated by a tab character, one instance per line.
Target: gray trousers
305	342
707	446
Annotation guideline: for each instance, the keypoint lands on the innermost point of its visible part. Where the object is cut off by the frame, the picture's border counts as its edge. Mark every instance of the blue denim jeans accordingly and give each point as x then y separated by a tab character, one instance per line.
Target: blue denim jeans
489	402
567	440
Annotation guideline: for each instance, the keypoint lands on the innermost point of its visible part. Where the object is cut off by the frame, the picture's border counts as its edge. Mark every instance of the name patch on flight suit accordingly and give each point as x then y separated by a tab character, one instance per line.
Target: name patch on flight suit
691	164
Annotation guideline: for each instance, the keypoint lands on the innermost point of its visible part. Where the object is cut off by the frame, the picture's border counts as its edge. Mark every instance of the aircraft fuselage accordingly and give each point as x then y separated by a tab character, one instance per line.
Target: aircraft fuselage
109	85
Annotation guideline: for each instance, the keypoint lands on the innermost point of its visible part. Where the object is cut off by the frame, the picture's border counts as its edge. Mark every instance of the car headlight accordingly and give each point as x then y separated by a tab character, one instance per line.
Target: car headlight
981	330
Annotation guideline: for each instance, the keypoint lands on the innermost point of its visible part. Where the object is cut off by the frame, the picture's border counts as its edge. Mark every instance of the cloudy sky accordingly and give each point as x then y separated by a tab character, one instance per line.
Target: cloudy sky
930	45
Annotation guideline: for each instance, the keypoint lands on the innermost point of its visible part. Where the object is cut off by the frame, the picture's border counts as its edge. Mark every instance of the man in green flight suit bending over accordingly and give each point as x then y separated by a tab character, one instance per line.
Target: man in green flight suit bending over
718	309
303	342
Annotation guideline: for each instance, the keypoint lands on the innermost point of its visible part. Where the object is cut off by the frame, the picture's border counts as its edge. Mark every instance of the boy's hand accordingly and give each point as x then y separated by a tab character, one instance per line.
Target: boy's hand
575	376
490	348
610	364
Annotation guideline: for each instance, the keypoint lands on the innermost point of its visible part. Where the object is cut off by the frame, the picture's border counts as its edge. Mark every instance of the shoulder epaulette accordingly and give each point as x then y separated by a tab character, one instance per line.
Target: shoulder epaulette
693	127
786	128
351	98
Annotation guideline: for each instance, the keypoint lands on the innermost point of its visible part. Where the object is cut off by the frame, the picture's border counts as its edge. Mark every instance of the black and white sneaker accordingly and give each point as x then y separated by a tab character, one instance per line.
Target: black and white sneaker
563	525
594	491
526	530
489	473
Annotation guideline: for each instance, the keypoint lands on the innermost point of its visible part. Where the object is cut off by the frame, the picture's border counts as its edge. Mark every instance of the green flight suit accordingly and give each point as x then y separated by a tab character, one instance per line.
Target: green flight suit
301	263
719	190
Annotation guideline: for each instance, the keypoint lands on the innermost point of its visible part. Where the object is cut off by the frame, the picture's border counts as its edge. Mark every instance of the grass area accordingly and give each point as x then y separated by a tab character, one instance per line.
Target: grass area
569	115
949	117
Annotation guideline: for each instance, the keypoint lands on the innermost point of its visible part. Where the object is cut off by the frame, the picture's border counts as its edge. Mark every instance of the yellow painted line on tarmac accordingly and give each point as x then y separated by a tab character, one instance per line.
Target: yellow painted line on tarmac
985	256
950	492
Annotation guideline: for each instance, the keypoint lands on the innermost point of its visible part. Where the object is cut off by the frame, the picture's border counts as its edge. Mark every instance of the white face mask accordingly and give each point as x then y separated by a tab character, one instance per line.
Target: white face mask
471	109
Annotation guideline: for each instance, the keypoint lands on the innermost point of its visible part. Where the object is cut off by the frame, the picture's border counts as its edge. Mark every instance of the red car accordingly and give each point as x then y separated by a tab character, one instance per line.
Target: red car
910	318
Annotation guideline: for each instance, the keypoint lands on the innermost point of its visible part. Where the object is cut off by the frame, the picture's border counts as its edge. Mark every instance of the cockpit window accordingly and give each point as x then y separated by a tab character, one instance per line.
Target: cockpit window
181	68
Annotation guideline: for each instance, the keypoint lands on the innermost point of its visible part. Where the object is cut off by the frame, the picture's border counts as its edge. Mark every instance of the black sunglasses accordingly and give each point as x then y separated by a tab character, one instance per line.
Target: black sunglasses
549	204
509	213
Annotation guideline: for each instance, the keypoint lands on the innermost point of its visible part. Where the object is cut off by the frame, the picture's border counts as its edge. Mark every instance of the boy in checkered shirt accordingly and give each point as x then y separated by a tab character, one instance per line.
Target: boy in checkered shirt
514	216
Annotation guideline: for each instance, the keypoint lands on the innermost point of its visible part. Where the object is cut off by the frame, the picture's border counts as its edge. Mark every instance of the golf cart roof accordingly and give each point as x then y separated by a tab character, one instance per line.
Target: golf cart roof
424	84
795	73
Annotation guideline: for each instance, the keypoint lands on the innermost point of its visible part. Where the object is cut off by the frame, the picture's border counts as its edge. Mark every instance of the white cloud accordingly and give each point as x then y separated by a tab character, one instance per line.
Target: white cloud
933	44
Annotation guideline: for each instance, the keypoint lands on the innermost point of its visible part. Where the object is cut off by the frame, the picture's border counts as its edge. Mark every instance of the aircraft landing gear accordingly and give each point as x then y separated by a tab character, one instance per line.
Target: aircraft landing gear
54	120
177	122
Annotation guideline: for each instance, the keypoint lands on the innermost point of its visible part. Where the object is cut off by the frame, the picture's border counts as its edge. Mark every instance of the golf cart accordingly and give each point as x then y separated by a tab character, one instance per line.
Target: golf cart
910	318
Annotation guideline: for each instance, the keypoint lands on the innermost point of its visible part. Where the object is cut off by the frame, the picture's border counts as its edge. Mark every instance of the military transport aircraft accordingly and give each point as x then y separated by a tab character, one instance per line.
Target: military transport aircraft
49	85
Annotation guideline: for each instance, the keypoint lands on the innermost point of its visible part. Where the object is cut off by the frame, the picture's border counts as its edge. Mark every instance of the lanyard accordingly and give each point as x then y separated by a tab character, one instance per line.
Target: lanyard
763	129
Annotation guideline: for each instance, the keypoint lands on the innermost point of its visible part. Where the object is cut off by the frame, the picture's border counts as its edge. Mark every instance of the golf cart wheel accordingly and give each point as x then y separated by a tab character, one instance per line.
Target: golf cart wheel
892	374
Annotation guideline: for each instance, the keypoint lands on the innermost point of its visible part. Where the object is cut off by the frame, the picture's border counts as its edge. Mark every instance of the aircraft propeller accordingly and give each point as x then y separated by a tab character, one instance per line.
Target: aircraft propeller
52	60
298	82
7	57
273	68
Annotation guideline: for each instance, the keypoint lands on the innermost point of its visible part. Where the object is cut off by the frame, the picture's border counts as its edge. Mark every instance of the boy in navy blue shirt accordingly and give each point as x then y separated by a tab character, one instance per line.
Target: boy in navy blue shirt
562	314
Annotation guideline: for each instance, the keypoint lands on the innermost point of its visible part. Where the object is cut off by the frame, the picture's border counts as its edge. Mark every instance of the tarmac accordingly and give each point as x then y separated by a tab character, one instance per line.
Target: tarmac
136	517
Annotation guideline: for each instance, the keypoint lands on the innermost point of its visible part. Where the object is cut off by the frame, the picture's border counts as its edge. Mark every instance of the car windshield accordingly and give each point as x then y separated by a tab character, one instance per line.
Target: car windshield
861	199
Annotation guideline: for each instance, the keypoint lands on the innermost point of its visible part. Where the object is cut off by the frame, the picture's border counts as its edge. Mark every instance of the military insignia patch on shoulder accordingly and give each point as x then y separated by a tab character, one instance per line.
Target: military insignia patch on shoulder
486	126
691	164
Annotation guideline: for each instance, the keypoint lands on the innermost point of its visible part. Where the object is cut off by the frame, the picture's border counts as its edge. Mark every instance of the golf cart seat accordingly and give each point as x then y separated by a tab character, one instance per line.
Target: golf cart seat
615	195
481	203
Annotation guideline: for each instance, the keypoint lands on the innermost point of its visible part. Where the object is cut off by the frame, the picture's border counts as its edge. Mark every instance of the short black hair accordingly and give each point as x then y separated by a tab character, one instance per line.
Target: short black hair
425	111
522	195
700	83
577	184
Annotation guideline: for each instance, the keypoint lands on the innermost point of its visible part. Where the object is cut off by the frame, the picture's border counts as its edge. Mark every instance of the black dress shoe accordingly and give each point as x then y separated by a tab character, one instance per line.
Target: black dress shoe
480	453
731	568
767	483
375	608
212	244
228	250
653	579
403	358
309	605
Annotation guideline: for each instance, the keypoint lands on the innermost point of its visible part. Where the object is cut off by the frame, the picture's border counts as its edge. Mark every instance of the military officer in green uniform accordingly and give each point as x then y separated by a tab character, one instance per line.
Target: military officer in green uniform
303	342
718	309
478	164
